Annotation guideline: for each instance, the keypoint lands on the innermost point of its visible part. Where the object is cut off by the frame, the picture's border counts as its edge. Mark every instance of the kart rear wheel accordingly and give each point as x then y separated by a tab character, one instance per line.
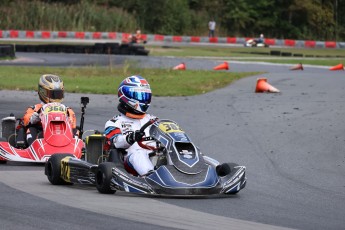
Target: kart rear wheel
8	126
103	178
53	169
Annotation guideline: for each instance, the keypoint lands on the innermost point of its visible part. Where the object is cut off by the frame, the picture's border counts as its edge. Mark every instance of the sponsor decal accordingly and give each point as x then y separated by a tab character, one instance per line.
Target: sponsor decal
126	127
186	154
141	90
65	169
125	178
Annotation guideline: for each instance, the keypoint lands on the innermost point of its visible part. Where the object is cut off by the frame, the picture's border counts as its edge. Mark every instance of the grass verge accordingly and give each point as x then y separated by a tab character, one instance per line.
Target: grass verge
102	80
311	56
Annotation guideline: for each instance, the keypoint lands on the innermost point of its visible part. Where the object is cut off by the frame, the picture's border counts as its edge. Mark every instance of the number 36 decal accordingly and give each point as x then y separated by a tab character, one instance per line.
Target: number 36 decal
55	108
170	127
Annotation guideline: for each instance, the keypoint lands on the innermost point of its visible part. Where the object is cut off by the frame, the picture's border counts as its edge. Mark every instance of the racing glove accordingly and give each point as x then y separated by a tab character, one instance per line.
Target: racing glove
35	118
134	136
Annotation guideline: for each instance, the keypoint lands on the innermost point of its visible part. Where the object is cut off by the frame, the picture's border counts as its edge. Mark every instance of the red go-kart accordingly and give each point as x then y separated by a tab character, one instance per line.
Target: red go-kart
56	137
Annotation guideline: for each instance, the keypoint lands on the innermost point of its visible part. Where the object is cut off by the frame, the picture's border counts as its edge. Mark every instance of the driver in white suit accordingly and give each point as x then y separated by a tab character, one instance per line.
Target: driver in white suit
123	130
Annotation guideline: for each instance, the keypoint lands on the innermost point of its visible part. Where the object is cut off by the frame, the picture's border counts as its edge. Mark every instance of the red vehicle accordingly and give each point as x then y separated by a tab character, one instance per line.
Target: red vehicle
56	137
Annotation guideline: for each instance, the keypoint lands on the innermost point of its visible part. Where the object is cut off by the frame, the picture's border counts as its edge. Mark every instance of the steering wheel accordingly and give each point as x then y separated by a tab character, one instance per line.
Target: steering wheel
140	143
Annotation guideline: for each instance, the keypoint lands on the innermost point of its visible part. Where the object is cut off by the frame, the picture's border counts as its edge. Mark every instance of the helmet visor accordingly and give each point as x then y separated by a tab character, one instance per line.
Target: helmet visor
55	94
143	96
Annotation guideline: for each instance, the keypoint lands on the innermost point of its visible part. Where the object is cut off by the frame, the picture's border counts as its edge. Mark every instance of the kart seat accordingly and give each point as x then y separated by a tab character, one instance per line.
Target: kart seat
129	168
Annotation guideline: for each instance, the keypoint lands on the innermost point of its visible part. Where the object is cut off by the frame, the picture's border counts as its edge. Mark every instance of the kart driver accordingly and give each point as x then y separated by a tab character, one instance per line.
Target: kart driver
123	130
137	37
260	39
50	89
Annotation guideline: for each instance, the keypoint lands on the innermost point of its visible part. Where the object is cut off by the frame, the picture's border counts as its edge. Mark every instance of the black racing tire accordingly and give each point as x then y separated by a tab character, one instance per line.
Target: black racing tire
8	127
12	140
103	178
53	169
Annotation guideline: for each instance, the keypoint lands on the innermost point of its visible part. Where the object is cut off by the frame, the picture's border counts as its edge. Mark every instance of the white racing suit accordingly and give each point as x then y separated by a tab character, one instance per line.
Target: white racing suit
116	131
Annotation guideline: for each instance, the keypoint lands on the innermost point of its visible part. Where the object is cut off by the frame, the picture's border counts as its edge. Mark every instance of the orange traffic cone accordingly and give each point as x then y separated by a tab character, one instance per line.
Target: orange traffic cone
225	65
297	67
181	66
262	86
337	67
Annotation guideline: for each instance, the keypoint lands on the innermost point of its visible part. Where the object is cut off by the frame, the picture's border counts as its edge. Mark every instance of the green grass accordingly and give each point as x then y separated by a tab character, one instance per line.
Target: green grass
319	62
232	51
165	82
326	57
102	80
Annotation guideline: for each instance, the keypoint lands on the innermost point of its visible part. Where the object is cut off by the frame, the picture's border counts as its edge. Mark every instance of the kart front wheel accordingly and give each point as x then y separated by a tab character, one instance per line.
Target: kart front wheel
223	169
53	169
103	178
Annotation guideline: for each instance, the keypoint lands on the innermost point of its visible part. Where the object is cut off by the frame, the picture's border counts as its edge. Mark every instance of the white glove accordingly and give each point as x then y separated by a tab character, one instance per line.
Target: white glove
35	118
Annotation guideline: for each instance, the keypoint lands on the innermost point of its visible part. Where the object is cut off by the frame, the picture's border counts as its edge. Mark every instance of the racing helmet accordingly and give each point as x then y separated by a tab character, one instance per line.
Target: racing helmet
134	94
50	88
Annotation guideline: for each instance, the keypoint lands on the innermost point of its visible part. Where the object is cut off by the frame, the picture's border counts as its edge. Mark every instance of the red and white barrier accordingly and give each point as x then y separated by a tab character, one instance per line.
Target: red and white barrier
29	34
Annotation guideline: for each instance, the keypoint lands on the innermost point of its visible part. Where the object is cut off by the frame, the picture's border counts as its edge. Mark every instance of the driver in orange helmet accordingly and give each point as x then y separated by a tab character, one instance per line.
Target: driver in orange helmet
50	89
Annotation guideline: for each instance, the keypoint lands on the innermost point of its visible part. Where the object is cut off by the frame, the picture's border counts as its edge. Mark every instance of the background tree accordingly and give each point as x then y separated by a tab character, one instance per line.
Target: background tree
284	19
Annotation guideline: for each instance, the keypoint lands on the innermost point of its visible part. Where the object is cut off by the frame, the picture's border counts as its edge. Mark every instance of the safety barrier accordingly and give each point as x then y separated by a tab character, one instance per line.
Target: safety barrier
28	34
7	51
97	48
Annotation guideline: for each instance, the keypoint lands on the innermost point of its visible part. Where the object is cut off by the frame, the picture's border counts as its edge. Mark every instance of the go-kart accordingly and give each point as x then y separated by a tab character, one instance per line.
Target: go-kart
56	136
180	168
255	43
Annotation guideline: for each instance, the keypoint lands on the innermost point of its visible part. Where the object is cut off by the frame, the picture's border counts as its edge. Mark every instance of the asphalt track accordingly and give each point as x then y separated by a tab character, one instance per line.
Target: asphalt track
292	144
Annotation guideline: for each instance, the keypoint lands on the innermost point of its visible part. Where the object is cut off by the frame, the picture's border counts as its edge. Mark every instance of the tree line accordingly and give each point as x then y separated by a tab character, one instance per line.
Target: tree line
281	19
